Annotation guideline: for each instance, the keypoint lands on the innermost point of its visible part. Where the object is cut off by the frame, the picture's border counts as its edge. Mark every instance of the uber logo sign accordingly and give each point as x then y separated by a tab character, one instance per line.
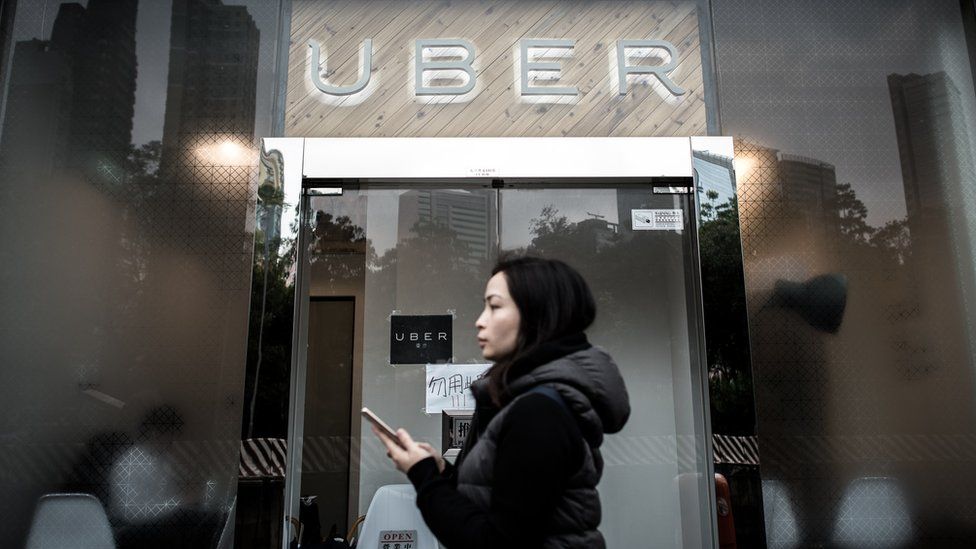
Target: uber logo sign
429	53
421	339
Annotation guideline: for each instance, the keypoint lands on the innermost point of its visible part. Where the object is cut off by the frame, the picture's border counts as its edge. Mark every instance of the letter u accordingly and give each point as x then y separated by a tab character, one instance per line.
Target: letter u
364	74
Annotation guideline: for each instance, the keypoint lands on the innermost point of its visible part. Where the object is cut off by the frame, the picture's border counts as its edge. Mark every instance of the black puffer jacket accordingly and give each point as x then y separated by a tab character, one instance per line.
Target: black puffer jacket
541	493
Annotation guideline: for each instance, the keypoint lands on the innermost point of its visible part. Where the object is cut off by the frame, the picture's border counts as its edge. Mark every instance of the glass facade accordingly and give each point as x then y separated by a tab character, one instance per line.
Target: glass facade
415	250
148	308
854	161
128	168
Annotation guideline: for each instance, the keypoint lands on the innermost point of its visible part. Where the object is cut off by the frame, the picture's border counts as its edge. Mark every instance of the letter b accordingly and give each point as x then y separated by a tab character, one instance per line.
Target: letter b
464	65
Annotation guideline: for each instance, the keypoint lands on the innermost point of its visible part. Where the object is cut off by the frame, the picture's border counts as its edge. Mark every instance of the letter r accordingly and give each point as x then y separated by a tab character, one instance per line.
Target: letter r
660	71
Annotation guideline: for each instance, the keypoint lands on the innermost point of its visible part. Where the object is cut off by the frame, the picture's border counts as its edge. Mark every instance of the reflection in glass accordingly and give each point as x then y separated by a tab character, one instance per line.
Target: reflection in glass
781	526
857	161
439	245
127	159
419	251
873	514
653	470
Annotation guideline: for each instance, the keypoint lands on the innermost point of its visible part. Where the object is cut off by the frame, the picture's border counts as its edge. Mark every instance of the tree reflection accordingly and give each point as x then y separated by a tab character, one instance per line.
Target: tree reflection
608	258
726	324
334	236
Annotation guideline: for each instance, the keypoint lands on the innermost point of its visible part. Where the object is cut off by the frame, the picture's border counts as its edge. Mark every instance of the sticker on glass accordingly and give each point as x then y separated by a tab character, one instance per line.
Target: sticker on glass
398	539
657	220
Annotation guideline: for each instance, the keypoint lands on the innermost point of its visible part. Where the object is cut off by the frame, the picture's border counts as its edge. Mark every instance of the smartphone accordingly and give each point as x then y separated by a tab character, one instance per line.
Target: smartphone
381	425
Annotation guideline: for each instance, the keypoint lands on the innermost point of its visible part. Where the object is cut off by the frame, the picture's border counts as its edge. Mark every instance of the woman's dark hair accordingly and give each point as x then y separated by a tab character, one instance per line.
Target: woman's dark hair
553	302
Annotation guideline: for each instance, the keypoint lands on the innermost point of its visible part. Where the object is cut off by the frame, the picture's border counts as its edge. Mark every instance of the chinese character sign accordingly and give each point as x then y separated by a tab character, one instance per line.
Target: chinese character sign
448	386
398	539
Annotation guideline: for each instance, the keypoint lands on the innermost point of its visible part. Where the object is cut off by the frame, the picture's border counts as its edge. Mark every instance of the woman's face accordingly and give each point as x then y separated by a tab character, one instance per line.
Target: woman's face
498	325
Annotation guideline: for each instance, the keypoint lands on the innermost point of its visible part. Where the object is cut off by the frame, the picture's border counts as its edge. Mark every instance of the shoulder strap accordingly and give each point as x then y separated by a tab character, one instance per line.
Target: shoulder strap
552	393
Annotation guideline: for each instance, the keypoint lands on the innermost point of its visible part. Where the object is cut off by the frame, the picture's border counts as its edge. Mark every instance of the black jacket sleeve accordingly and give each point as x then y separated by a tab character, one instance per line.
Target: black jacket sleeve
539	448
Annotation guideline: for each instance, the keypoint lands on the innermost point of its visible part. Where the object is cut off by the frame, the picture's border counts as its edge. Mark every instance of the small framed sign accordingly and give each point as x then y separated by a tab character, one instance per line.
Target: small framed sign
398	539
455	426
421	339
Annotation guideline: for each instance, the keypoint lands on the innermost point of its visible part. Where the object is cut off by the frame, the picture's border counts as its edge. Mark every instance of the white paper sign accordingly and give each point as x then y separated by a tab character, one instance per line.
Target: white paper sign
398	539
448	386
657	220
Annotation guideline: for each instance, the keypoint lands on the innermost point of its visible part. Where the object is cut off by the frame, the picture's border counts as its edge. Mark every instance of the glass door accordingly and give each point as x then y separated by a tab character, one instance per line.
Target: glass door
377	256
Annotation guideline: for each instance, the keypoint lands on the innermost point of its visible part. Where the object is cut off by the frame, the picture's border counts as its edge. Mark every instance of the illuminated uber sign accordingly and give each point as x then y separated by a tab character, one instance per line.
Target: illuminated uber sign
426	50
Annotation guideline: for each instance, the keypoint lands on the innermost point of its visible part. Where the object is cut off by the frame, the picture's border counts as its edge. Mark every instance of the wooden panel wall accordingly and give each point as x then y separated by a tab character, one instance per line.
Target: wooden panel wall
495	107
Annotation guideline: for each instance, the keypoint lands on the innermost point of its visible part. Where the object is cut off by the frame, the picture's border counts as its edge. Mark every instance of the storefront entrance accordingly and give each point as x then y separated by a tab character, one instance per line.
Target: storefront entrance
398	238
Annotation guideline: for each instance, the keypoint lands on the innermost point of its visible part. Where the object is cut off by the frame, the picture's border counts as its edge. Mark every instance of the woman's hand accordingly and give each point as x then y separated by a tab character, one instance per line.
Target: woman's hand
407	456
437	455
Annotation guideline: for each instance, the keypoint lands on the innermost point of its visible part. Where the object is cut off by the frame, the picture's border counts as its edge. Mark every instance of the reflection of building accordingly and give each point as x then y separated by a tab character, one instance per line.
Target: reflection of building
794	196
934	145
714	172
72	98
467	215
596	233
38	117
103	40
212	79
810	188
270	193
934	148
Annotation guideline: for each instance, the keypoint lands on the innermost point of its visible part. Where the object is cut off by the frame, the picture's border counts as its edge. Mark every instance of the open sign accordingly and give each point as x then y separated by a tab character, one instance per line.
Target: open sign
398	539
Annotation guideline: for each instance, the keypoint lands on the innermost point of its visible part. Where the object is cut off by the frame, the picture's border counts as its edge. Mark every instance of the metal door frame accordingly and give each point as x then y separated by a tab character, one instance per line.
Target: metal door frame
329	165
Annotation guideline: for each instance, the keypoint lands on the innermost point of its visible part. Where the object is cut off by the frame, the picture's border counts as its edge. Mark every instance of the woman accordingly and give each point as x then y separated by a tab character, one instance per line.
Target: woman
528	471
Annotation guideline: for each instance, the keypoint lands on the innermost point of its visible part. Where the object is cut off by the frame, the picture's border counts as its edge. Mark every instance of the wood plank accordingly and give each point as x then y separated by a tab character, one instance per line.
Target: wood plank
494	108
498	93
688	76
615	108
435	115
400	97
391	66
664	20
598	81
498	75
391	59
514	109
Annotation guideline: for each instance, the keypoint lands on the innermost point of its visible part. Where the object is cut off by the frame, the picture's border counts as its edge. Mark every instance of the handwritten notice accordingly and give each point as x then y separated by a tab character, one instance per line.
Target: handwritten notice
449	386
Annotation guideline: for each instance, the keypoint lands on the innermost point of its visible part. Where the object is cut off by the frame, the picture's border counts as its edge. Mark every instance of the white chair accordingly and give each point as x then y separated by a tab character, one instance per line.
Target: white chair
782	531
393	514
873	514
77	521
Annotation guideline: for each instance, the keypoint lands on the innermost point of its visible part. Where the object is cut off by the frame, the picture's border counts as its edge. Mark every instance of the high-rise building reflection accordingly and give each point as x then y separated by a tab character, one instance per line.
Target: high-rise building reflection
72	98
934	149
810	187
213	64
464	215
103	42
118	247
